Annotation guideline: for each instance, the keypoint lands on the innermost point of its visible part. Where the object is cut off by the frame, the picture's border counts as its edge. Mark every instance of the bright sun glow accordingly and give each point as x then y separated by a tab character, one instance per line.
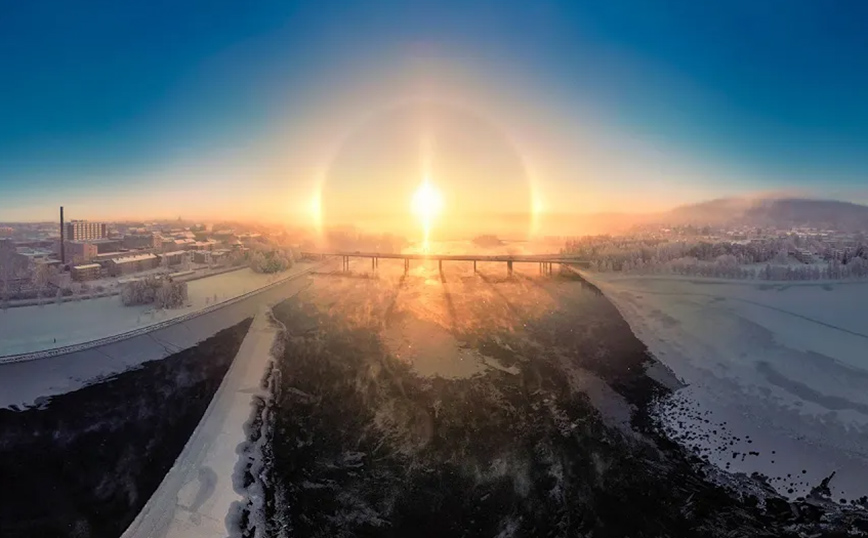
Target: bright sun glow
426	205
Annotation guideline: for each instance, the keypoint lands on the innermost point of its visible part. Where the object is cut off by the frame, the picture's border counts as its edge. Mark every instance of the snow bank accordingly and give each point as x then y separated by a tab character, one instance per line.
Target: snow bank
777	374
198	497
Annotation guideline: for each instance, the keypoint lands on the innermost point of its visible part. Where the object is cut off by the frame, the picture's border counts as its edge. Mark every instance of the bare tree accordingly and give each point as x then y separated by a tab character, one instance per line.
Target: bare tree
41	277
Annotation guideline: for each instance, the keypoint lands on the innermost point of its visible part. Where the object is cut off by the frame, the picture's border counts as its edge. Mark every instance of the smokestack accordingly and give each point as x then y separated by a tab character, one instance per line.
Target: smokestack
62	250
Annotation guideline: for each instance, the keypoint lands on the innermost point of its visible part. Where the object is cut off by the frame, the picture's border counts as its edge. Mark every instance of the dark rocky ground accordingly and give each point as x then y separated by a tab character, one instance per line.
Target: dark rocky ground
555	438
86	462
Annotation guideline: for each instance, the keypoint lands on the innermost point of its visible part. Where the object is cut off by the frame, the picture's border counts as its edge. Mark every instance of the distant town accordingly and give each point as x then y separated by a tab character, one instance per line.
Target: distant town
79	257
75	258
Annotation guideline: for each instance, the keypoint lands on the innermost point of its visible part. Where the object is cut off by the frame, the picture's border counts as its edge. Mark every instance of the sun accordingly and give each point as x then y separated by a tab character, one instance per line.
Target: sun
427	201
426	204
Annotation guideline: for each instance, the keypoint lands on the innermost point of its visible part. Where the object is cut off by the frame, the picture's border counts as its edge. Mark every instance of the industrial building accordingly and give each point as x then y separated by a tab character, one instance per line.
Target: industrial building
90	271
79	252
132	264
83	230
141	241
104	246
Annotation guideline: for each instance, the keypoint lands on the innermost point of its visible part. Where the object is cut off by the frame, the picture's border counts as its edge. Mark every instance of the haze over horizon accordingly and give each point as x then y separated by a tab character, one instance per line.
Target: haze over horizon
159	110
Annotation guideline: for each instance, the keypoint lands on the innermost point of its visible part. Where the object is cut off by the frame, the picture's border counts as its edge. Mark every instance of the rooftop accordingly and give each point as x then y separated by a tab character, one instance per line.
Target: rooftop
87	266
137	258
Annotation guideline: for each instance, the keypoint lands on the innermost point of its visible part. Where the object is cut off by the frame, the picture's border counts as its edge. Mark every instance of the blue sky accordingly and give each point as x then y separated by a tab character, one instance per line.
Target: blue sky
109	99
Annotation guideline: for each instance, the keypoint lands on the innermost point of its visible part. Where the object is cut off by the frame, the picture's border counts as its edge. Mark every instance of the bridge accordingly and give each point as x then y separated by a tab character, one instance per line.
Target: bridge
545	261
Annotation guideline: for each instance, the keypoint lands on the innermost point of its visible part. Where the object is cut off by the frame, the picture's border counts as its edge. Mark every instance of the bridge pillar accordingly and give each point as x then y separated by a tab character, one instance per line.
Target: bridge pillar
509	267
440	265
406	265
373	263
474	266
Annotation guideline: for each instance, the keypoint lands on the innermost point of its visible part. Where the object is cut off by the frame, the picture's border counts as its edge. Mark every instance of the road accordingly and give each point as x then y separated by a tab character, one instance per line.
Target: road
81	346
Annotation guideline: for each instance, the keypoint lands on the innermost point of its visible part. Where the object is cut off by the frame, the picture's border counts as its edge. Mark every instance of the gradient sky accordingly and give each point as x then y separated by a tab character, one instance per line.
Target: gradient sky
166	108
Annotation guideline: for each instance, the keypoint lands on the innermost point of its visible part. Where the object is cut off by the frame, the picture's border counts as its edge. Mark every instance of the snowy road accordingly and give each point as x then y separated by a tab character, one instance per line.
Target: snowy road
28	383
38	329
776	373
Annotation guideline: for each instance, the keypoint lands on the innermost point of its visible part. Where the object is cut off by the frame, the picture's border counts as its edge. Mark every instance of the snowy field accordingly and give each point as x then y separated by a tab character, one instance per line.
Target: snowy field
36	328
777	373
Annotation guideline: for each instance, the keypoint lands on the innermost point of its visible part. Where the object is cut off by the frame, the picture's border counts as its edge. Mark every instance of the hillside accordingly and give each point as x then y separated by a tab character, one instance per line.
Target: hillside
772	212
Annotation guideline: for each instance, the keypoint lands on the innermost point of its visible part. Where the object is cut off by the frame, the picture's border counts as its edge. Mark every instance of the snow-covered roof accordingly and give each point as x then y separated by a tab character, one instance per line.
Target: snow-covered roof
137	258
86	266
175	253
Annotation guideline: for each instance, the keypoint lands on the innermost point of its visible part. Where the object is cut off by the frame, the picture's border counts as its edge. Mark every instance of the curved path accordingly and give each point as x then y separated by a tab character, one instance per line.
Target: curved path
63	350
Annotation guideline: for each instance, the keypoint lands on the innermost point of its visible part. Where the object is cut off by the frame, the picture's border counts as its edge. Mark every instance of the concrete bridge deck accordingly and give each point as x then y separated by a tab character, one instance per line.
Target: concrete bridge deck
545	261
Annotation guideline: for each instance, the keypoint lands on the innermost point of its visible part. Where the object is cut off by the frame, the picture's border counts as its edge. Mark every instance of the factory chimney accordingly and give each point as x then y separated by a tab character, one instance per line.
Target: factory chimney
62	249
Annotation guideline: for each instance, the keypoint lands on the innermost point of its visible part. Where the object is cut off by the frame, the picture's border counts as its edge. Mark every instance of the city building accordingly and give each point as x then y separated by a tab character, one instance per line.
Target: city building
90	271
33	255
132	264
203	245
111	255
80	252
83	230
215	257
139	241
174	258
179	244
104	246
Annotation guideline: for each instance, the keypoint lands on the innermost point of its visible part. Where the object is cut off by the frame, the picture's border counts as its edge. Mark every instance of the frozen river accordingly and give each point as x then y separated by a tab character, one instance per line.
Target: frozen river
776	374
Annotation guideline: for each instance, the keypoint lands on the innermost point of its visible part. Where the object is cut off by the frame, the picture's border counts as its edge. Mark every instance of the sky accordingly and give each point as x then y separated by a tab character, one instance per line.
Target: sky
260	109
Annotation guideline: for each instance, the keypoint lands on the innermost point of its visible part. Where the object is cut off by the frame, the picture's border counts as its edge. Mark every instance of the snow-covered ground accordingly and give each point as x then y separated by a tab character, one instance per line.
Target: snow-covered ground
197	494
28	383
777	373
35	328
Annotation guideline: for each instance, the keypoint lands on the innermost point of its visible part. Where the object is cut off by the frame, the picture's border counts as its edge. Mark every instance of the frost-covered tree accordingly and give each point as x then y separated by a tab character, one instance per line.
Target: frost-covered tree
270	261
164	293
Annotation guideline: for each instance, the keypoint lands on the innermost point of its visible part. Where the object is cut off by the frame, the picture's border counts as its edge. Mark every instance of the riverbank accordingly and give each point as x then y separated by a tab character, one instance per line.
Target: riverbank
85	462
775	374
39	328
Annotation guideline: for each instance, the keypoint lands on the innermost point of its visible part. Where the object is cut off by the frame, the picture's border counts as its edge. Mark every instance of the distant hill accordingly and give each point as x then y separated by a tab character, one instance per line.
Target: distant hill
773	212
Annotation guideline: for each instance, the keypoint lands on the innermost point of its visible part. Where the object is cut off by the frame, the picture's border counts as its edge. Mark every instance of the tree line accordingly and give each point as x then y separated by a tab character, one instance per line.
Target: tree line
766	260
